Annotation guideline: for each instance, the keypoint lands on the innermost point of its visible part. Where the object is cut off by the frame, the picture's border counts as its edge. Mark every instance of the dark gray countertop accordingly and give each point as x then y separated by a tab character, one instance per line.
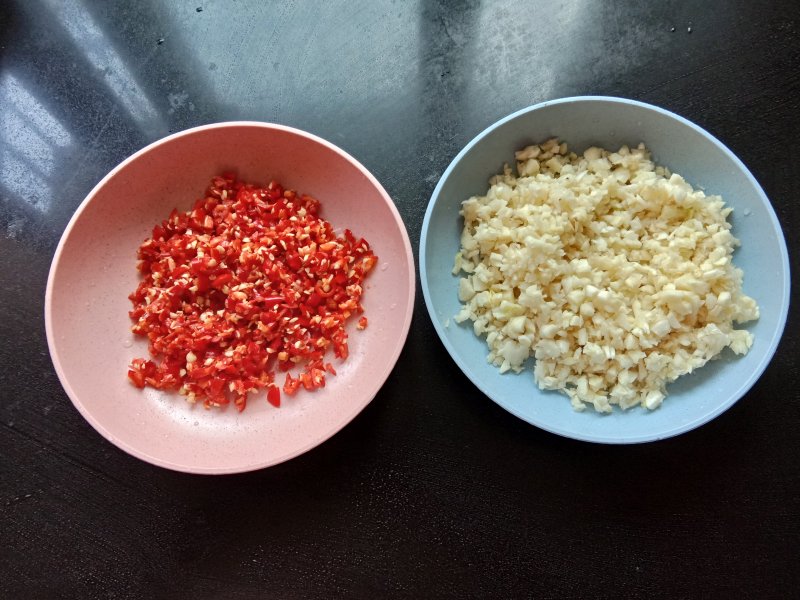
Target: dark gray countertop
433	491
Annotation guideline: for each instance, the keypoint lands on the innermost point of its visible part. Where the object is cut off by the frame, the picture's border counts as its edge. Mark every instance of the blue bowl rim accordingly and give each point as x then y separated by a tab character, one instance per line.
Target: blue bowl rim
636	439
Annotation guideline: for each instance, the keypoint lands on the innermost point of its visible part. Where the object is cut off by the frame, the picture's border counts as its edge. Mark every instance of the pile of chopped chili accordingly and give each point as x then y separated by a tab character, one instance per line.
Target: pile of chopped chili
249	282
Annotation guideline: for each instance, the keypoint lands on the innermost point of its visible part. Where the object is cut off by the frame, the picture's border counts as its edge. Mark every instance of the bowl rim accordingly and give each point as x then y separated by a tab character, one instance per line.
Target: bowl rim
604	439
259	464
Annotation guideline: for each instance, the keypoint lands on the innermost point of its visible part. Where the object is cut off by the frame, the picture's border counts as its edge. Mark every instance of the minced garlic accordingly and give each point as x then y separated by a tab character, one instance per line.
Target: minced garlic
614	273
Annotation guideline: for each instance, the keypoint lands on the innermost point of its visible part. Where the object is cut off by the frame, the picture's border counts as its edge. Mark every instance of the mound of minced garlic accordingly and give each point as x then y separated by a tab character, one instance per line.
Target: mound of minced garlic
614	273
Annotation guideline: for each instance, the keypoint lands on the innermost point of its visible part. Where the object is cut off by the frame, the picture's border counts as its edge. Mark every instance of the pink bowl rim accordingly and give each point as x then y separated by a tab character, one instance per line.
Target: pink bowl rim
377	382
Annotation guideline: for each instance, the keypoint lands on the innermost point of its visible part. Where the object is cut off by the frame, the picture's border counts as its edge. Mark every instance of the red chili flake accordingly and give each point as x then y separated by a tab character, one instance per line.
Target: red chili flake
274	396
249	281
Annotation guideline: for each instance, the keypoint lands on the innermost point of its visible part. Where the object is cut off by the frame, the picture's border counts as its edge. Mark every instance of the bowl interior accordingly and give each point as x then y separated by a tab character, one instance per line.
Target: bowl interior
685	149
94	271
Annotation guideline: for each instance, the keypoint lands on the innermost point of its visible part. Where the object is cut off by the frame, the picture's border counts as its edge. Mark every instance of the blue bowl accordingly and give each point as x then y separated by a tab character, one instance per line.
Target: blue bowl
675	143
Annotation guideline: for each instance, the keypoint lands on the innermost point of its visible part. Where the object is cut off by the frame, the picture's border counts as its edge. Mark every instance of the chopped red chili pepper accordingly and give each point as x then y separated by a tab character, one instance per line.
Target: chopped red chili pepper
290	385
248	277
274	396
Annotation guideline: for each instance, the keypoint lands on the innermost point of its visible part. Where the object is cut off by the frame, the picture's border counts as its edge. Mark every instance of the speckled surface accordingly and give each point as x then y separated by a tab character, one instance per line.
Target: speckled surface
94	271
433	490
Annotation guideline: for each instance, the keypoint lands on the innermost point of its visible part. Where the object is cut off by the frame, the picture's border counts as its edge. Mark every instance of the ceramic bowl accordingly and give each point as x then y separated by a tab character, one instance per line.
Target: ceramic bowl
675	143
94	270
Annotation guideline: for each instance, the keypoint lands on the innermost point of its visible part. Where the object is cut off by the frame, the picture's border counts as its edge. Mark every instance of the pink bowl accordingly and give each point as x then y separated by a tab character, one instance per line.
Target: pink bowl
94	270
